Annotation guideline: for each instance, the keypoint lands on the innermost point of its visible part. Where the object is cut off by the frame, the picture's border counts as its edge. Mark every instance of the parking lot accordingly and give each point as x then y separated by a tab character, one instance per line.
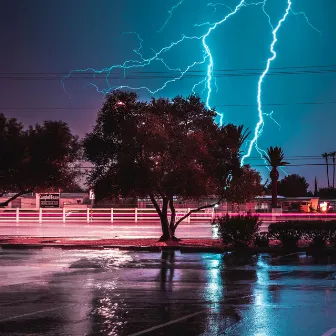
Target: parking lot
112	292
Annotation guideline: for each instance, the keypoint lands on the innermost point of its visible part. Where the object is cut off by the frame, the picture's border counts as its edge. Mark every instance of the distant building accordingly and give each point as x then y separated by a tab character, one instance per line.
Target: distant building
32	201
259	205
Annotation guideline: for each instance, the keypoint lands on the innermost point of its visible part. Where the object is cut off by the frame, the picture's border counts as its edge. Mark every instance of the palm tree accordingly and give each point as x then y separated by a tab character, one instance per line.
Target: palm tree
333	155
315	187
236	136
326	156
275	158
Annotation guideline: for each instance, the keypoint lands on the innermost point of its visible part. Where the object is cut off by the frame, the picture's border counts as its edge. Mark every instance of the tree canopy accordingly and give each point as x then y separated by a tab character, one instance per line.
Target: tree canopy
275	157
245	186
161	149
42	157
327	193
293	185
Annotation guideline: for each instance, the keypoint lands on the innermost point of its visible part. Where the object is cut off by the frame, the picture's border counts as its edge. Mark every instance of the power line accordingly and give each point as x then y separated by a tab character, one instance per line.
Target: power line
218	73
228	70
221	105
85	76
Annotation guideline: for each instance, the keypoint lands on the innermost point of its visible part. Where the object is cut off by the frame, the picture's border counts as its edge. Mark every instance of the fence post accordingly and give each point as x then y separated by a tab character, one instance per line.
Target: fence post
40	215
17	215
88	215
111	215
63	215
136	214
188	216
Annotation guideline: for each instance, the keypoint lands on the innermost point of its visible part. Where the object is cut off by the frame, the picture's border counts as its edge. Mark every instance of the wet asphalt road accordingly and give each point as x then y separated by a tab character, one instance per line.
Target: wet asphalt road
149	229
112	292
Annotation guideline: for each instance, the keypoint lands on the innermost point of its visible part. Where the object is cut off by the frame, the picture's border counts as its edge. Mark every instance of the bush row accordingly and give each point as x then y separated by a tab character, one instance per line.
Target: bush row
242	231
318	233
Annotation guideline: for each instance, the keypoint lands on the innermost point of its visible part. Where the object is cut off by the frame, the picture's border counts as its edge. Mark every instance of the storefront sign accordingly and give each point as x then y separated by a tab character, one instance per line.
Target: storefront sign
50	200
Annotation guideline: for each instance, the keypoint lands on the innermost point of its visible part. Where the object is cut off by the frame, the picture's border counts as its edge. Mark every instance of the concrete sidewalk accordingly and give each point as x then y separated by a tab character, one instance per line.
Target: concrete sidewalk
153	245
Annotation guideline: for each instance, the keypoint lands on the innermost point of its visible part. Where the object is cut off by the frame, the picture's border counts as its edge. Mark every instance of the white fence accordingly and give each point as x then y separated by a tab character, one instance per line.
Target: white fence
89	215
67	215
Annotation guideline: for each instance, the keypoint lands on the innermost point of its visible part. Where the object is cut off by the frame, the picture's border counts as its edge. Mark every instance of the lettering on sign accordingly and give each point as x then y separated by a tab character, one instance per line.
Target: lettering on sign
50	200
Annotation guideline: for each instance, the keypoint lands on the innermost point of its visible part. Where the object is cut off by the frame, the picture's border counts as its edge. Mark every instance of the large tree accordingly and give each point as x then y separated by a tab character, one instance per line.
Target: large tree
41	158
293	185
160	149
327	193
275	158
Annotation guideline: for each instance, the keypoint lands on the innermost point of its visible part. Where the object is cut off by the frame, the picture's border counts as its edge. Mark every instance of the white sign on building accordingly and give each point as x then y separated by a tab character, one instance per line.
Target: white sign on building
50	200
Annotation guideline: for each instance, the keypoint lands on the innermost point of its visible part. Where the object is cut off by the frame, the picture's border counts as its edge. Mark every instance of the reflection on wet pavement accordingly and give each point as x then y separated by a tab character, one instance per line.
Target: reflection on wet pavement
112	292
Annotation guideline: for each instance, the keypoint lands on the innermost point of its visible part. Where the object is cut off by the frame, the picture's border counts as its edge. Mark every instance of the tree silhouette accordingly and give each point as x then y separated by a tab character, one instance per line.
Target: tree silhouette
333	156
41	158
326	156
293	185
161	149
275	157
245	186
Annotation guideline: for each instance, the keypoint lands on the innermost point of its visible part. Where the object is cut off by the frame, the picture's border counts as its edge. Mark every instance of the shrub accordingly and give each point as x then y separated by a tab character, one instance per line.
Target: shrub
318	237
318	233
261	239
288	234
237	230
332	233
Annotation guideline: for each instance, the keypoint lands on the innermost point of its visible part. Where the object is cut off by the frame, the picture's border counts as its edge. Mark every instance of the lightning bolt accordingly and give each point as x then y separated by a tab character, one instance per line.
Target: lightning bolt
158	57
307	20
170	15
206	59
218	4
260	125
211	62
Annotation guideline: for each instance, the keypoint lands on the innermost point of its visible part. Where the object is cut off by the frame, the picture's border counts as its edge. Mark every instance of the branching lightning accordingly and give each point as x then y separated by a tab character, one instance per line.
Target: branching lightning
206	59
158	57
260	125
170	15
307	20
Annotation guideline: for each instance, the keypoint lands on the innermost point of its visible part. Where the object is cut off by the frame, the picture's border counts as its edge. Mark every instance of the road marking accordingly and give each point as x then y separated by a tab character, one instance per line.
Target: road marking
330	332
185	317
168	323
33	313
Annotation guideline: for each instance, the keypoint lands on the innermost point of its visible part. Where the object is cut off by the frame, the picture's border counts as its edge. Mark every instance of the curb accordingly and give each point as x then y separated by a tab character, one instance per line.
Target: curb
119	247
182	249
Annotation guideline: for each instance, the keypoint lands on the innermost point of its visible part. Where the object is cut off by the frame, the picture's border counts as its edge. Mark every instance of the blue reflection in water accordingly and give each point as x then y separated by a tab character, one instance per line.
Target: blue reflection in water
262	299
214	291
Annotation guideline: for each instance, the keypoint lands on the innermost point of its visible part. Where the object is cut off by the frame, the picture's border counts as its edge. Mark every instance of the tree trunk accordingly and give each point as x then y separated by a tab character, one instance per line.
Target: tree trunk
328	172
164	221
172	219
333	172
274	175
2	204
274	193
163	217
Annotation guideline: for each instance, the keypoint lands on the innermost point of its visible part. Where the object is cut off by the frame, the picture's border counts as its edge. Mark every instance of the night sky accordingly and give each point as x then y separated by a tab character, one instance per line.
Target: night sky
42	41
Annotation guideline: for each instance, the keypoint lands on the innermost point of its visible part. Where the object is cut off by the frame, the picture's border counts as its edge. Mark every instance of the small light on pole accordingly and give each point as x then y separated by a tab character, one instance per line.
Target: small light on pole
92	196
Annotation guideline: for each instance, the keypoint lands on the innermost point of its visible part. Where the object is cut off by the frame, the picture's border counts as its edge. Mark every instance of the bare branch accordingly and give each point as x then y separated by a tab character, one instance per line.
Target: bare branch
196	210
16	196
156	205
